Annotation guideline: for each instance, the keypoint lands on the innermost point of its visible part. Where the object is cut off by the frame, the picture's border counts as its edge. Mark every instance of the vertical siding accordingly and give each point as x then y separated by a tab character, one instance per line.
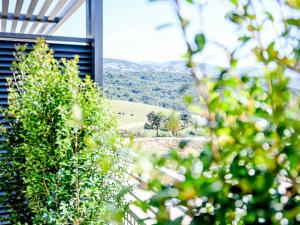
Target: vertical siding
6	57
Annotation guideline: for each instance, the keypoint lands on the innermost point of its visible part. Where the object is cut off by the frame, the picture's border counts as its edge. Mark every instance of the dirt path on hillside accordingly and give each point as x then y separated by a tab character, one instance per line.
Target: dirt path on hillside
131	126
162	145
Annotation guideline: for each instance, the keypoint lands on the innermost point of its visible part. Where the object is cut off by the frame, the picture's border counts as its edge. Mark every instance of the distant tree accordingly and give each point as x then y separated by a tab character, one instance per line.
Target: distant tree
185	118
147	126
173	123
155	120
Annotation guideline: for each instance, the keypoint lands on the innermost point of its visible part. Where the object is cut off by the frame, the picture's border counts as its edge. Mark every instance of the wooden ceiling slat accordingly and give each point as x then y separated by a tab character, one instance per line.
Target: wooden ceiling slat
28	14
41	14
4	13
58	7
17	14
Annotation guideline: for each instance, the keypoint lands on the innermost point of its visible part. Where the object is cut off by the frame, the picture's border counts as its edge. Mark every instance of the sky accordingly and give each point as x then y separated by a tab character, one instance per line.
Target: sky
130	30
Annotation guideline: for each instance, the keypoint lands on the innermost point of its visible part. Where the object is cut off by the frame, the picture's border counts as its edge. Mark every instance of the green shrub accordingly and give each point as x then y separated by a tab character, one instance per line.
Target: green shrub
62	165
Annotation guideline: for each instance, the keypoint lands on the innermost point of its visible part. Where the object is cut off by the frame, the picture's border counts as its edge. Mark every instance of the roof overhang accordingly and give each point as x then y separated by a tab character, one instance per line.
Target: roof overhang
61	11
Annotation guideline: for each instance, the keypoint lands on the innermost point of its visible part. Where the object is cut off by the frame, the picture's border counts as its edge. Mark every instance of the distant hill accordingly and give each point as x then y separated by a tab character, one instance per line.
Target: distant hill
160	84
154	84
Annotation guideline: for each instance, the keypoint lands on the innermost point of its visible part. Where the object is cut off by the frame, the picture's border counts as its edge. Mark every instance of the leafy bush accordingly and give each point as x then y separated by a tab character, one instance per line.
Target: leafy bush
248	172
62	165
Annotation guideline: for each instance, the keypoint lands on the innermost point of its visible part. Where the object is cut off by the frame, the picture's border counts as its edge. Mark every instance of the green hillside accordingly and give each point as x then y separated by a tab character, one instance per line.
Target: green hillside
160	84
132	114
149	84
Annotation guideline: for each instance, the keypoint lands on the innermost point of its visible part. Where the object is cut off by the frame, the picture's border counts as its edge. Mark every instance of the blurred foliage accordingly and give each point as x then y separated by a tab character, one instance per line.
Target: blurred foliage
248	172
62	164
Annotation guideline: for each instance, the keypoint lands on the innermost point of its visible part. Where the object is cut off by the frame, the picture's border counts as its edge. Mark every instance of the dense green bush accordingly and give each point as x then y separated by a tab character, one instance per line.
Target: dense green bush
248	172
62	165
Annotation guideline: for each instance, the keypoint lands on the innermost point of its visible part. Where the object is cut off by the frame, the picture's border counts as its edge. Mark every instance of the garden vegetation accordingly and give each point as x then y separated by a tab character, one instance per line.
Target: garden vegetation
248	171
62	164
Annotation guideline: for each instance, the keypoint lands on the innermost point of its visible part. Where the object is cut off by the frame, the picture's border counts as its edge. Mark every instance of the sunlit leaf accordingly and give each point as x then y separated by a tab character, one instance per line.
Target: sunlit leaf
200	42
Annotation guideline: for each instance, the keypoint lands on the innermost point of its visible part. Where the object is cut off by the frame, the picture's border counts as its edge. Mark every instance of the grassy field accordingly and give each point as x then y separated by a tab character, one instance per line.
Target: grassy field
132	115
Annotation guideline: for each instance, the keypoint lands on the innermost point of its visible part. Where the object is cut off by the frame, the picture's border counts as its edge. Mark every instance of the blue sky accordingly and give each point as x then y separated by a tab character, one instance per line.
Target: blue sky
130	30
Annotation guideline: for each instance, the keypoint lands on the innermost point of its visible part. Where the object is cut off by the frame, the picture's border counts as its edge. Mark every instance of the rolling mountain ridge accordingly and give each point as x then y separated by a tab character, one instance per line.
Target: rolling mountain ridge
160	84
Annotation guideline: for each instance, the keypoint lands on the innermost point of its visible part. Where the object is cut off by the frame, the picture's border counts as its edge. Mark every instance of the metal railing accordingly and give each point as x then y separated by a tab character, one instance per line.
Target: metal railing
132	219
135	216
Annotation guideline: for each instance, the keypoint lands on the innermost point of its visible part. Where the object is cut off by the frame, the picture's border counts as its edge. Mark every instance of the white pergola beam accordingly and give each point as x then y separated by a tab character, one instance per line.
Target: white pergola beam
61	11
28	15
41	14
17	14
58	7
4	13
68	11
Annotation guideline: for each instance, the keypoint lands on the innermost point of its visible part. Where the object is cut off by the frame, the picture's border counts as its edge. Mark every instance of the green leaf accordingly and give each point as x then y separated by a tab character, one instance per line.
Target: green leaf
235	2
200	42
272	53
233	62
269	15
234	17
244	38
293	22
294	3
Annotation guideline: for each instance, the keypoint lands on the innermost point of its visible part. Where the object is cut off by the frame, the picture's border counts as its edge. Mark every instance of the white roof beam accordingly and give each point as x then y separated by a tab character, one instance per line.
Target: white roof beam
4	13
69	10
17	14
41	14
58	7
28	15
